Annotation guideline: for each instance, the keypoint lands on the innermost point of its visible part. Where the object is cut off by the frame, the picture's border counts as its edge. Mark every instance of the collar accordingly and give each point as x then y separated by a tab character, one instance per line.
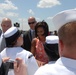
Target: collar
2	34
51	62
68	62
31	30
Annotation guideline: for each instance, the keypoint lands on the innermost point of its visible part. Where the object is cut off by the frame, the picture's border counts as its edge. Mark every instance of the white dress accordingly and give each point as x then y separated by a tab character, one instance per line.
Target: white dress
25	55
63	66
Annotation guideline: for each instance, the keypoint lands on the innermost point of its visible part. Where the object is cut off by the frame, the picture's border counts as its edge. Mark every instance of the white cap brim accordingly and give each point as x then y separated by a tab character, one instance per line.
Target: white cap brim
64	17
11	31
52	39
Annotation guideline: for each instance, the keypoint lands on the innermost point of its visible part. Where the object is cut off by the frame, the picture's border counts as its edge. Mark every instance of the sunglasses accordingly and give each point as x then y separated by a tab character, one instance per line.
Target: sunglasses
31	23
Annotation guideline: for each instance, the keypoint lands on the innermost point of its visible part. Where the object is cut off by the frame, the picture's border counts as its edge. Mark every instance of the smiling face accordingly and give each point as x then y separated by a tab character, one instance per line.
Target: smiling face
40	31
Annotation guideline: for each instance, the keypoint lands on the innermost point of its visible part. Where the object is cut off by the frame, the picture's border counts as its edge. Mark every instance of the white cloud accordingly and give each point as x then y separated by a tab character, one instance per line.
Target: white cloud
75	8
1	18
8	5
30	11
49	18
48	3
11	14
1	12
0	21
38	19
23	23
22	19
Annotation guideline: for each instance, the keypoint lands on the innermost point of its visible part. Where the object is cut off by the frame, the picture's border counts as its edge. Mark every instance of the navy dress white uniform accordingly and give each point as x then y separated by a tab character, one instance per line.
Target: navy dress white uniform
11	36
61	67
0	61
64	65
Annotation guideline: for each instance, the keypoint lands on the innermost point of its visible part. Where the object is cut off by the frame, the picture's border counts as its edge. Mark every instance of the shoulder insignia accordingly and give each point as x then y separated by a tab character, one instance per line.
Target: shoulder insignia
30	56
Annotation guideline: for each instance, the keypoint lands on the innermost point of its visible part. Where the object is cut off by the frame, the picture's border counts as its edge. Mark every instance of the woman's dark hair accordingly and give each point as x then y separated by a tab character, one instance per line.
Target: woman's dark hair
44	25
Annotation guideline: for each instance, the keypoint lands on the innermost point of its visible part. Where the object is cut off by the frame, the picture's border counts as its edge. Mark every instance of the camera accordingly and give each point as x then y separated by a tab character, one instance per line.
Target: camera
10	64
16	24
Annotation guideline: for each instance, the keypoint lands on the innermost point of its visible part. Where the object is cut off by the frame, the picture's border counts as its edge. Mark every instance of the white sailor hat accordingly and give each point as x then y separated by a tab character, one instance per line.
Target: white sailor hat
51	47
64	17
52	39
11	35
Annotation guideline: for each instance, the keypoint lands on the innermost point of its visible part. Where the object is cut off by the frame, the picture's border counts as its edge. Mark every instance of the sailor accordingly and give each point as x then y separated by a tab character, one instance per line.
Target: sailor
51	48
20	67
14	40
2	63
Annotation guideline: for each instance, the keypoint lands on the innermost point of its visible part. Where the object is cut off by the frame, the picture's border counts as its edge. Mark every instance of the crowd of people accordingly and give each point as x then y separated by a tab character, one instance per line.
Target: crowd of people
35	52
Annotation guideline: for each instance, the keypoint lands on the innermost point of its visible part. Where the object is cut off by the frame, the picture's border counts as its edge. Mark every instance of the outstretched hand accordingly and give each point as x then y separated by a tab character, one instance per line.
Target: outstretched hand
5	59
20	67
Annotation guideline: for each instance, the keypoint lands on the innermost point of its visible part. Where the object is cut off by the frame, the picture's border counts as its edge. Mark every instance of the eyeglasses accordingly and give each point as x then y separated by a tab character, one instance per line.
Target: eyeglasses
31	23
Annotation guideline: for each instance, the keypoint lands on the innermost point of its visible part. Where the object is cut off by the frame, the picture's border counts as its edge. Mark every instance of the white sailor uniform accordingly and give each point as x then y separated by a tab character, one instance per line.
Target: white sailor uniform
0	61
61	67
28	58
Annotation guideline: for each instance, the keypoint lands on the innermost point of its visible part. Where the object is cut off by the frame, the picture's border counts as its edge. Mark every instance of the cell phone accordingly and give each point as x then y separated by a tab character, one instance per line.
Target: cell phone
10	64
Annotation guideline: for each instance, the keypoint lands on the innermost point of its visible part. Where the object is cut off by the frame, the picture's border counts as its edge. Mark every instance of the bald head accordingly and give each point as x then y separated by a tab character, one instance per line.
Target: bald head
6	24
32	22
31	18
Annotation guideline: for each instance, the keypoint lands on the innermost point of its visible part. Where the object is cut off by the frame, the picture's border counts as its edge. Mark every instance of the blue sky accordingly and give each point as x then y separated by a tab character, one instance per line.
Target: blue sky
21	10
